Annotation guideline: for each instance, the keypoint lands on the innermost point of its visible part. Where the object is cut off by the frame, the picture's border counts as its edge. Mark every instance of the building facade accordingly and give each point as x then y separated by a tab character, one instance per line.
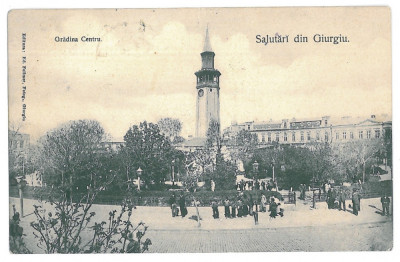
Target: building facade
324	129
207	88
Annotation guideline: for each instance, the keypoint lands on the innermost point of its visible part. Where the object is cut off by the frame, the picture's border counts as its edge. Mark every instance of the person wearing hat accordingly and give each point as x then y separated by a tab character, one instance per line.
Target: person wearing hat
385	200
214	206
342	200
356	202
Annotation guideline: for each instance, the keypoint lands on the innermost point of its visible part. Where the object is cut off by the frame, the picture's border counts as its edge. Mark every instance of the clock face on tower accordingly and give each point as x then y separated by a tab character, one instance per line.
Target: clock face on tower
201	92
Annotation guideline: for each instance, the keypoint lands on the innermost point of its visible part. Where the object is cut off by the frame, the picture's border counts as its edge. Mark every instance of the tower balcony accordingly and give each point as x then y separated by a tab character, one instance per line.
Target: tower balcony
207	84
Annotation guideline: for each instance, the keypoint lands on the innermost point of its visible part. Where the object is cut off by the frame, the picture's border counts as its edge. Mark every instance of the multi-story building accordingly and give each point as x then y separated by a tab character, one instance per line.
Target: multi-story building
324	129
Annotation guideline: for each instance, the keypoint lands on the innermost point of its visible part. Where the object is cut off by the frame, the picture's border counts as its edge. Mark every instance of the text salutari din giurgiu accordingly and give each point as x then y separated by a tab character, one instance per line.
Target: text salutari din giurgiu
317	38
68	39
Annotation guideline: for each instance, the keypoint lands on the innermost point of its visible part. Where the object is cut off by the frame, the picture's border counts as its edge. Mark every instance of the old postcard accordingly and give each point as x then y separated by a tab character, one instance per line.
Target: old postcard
200	130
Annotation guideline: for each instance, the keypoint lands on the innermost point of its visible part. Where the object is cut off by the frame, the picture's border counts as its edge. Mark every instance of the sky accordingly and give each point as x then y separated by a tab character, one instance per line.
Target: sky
143	69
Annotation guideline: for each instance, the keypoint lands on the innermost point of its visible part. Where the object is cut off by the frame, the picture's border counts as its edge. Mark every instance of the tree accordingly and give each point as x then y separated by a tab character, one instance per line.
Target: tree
244	145
77	168
222	172
72	154
359	154
171	128
147	148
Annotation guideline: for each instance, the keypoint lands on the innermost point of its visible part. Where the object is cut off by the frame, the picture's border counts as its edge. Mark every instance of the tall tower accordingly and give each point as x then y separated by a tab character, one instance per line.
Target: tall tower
207	87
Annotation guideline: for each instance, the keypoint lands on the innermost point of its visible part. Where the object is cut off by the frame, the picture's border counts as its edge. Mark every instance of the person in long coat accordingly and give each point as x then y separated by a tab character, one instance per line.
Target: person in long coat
342	200
240	208
356	203
263	203
226	206
385	200
214	206
233	209
182	205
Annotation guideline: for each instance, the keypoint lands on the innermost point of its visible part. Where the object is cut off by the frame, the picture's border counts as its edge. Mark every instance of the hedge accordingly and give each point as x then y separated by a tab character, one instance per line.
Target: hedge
161	198
152	198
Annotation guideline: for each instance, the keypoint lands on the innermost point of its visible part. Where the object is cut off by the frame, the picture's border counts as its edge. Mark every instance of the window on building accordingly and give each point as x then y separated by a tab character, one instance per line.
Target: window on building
302	136
294	137
269	138
368	134
326	137
360	135
337	136
317	136
285	137
326	122
351	135
377	133
308	136
277	137
284	125
263	138
248	127
344	135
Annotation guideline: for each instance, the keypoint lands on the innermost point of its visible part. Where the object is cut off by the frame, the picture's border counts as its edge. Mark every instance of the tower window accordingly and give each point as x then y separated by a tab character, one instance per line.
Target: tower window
210	90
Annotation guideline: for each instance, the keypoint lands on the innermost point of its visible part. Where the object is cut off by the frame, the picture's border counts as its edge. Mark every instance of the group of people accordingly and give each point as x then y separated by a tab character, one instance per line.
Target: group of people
244	205
336	199
254	185
173	202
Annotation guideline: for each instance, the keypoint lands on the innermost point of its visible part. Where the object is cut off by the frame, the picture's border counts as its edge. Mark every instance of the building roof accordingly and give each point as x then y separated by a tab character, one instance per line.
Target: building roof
207	44
194	142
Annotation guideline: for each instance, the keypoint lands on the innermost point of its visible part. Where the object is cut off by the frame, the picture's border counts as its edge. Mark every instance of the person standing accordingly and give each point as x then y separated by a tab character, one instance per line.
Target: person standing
255	213
182	205
214	206
172	203
385	200
226	206
356	202
233	209
330	198
263	203
240	207
342	200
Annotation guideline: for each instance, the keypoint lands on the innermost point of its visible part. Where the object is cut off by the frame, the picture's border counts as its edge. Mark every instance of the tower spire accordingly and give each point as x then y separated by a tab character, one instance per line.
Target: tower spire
207	45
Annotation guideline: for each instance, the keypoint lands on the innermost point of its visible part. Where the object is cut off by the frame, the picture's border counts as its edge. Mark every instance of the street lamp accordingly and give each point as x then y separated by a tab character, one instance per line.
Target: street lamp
173	172
255	169
273	170
139	173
